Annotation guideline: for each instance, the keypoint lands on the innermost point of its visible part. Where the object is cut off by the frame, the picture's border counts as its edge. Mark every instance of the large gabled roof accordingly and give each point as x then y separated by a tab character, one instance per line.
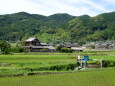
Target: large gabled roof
30	39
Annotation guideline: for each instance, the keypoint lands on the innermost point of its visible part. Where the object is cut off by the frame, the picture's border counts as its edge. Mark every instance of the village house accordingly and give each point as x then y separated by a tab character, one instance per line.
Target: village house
72	46
103	45
34	45
100	45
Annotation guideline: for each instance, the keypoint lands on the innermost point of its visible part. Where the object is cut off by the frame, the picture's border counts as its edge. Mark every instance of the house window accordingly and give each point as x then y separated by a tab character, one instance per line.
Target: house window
37	43
34	43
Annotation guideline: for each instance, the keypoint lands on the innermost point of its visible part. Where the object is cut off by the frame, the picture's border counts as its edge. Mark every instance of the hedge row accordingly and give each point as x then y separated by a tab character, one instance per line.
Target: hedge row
108	63
65	67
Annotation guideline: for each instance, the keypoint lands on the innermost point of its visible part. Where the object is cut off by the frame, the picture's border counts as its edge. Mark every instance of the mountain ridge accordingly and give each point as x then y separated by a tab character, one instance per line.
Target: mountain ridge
59	27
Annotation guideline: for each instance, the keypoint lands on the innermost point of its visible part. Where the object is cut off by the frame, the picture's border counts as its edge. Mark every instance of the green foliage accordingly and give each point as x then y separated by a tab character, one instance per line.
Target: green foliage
81	42
91	46
63	50
97	28
58	67
108	63
4	47
16	50
66	50
59	48
58	27
22	25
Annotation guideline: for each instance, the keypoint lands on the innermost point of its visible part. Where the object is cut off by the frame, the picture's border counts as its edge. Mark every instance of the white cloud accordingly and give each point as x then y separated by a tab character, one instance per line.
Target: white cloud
11	6
48	7
64	6
110	1
96	6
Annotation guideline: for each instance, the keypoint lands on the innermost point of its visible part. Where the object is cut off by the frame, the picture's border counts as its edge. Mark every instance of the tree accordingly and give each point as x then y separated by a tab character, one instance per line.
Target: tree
91	46
59	48
66	50
4	47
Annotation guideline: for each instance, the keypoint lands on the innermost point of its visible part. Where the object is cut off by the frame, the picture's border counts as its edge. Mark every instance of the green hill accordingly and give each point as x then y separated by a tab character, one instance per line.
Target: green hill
22	25
57	27
101	27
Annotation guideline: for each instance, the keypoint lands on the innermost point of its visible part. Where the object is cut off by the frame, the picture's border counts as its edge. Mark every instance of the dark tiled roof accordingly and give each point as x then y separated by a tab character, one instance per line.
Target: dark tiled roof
39	47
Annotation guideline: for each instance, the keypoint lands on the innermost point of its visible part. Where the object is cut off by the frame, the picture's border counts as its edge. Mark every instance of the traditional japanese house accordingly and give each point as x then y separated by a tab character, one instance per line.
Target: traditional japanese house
34	45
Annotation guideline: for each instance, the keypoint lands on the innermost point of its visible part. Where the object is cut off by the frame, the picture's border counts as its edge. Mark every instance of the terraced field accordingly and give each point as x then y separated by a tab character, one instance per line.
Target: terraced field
23	64
56	69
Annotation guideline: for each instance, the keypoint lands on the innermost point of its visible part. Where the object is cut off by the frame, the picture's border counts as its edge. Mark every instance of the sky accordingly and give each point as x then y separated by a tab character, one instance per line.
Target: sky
49	7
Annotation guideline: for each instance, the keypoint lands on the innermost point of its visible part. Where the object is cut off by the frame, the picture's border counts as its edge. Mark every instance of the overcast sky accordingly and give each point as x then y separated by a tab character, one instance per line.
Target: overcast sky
49	7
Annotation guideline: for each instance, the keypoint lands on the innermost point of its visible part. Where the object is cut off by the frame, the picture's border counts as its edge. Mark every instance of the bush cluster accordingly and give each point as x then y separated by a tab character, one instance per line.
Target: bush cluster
108	63
16	50
64	50
54	68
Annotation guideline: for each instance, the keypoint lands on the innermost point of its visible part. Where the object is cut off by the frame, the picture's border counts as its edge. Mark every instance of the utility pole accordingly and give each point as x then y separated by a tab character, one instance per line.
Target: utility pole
101	62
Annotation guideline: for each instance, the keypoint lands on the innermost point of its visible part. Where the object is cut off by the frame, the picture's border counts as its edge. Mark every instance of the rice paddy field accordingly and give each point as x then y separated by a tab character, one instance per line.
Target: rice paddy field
34	62
20	64
91	78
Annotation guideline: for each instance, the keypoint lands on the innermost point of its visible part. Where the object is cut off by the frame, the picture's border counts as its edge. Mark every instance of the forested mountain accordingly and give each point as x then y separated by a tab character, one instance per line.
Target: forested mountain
99	28
57	27
22	25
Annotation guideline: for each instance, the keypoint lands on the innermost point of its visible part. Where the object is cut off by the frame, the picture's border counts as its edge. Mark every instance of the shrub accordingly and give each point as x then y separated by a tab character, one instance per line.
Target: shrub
54	67
108	63
66	50
91	46
71	66
59	48
5	47
16	50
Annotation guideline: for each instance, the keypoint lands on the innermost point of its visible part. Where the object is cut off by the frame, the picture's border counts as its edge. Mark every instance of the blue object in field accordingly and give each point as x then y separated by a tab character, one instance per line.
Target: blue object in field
86	58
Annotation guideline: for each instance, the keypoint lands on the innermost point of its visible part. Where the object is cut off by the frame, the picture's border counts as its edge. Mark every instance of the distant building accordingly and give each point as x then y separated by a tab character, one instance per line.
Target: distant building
103	45
76	49
72	46
34	45
100	45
